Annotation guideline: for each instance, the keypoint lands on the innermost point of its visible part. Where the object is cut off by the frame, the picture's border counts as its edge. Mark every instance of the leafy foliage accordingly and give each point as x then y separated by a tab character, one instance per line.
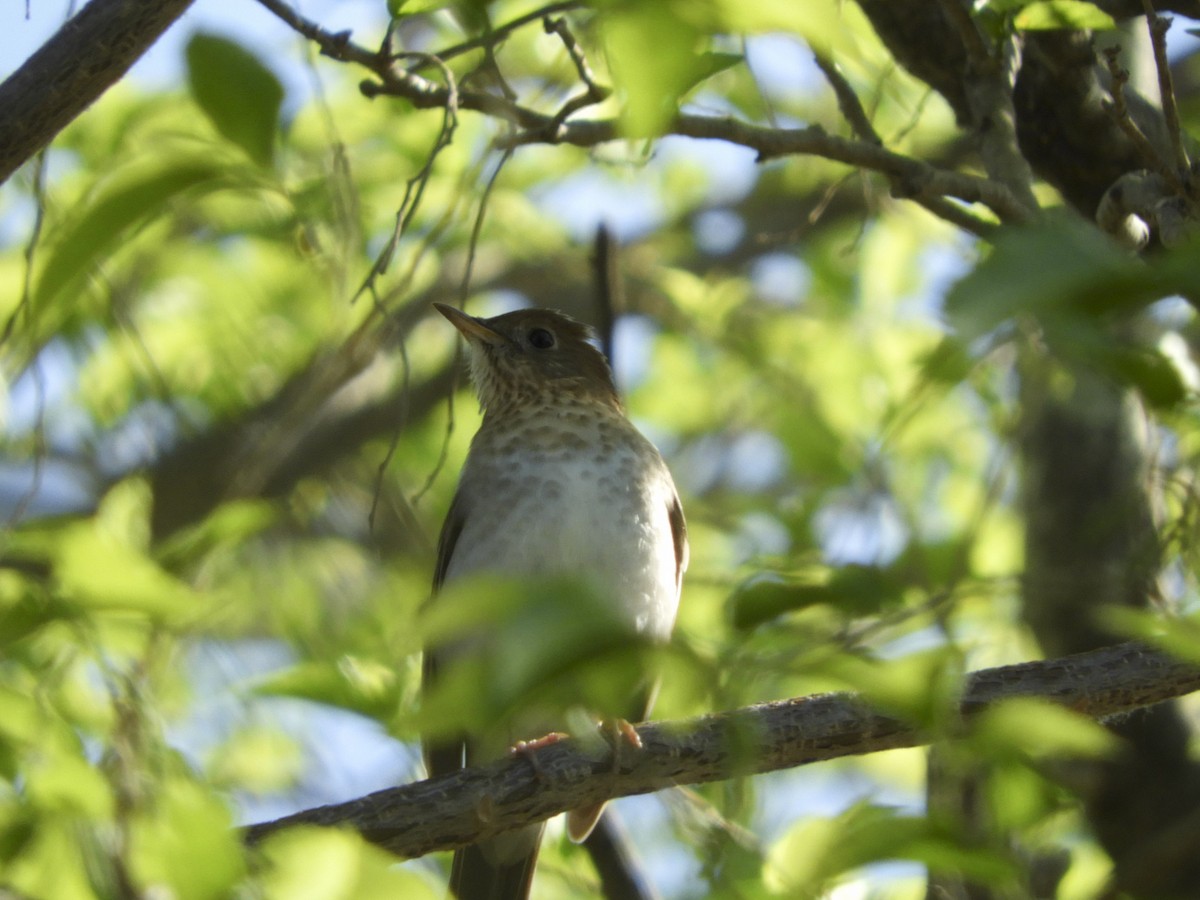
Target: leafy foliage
215	343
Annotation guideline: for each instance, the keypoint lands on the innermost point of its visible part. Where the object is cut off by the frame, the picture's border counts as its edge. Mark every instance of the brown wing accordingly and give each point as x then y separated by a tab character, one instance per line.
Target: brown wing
451	529
679	533
446	756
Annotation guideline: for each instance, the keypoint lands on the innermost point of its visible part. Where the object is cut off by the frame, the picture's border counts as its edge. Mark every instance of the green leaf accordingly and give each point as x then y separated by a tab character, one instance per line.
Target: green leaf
98	571
239	94
710	64
1055	267
1038	728
138	194
323	864
654	59
186	844
1053	14
351	683
551	643
815	851
922	688
853	589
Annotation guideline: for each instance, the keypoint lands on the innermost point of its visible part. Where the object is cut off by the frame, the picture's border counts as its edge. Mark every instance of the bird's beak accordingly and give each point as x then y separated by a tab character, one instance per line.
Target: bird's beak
471	328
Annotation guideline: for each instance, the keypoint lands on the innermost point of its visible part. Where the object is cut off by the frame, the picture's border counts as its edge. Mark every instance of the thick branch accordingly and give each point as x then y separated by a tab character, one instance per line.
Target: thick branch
87	55
472	804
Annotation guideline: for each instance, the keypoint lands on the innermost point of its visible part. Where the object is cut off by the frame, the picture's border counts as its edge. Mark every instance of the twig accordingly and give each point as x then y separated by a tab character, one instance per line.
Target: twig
445	812
916	179
1158	28
560	27
335	45
848	102
414	190
989	82
500	32
860	123
1120	114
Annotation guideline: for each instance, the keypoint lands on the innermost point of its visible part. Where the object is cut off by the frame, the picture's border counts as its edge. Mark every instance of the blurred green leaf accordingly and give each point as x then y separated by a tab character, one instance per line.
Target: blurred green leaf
258	759
187	844
655	57
352	683
851	589
96	570
324	864
922	688
1041	729
947	363
239	94
541	646
64	783
1054	267
136	194
1052	14
815	852
1178	636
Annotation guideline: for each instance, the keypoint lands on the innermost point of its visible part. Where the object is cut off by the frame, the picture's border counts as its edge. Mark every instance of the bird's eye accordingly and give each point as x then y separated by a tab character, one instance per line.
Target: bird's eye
541	339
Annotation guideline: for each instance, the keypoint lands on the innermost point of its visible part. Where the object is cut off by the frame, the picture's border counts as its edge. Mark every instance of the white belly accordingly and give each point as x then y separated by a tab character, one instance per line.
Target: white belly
577	516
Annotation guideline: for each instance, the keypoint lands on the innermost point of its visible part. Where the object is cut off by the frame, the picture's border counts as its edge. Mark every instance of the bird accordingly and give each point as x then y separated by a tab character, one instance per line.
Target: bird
557	482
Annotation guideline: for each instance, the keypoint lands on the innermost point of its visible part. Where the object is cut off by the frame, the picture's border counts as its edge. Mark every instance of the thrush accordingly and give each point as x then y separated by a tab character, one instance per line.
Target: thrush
558	481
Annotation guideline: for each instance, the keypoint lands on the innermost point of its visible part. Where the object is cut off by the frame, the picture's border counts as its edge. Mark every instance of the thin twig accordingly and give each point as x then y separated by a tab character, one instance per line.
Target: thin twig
916	178
848	102
1119	112
38	190
1158	27
335	45
560	27
500	32
854	113
414	190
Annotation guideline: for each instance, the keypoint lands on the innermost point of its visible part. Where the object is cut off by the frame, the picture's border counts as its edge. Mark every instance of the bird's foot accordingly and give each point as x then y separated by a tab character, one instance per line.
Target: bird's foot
529	749
619	732
625	729
523	747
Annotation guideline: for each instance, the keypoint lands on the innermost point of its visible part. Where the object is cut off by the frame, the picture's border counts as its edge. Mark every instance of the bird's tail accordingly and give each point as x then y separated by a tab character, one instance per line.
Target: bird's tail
480	873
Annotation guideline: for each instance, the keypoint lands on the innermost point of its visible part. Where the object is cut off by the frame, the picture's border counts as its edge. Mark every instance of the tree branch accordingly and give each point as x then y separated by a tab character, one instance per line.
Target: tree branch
473	804
89	53
911	178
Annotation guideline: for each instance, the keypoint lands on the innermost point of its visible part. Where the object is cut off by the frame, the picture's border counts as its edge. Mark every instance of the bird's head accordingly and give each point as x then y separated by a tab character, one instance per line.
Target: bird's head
532	355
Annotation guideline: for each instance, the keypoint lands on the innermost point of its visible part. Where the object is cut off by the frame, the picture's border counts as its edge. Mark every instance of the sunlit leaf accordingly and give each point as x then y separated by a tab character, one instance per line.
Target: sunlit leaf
548	644
187	844
921	687
137	194
1041	729
100	572
313	864
815	852
1051	14
1056	267
655	58
59	783
257	759
351	683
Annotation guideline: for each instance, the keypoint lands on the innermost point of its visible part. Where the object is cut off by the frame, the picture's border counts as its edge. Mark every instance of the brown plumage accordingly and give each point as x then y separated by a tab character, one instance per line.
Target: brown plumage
557	482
